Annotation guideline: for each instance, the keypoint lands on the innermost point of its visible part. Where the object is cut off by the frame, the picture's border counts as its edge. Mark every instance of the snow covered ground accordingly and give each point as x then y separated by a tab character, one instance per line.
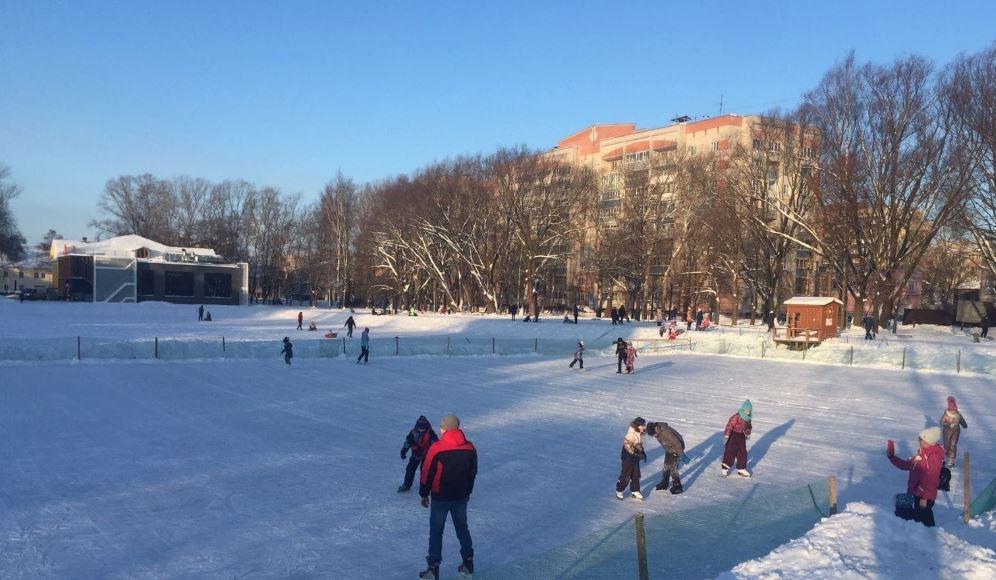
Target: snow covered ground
870	542
247	469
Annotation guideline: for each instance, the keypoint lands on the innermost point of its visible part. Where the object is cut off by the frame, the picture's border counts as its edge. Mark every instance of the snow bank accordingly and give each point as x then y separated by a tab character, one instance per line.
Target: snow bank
868	541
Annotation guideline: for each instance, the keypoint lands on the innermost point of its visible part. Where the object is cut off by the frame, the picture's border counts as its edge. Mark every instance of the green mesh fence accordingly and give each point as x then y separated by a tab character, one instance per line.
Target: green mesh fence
985	501
696	543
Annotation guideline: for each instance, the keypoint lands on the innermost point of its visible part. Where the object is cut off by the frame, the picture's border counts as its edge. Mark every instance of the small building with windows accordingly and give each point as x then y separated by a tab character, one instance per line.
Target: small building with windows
135	269
31	275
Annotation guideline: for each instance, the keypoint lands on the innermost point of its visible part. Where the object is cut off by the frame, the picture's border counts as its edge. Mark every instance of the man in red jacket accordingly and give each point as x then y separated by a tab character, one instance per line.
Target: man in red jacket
448	474
925	476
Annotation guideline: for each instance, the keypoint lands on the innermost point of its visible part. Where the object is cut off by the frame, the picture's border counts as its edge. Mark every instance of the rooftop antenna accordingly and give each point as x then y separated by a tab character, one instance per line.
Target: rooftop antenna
720	103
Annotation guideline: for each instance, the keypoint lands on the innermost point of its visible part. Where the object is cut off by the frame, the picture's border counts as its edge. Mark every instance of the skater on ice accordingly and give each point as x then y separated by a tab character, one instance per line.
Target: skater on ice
448	475
350	325
418	441
917	503
200	311
952	422
578	355
630	357
674	453
300	320
631	454
364	346
620	354
288	351
735	440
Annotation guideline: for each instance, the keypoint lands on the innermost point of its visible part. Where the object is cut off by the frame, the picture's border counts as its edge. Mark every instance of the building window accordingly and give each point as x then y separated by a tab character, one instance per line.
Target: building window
636	157
43	275
20	274
217	285
807	151
146	283
179	283
36	275
691	150
758	144
774	146
715	146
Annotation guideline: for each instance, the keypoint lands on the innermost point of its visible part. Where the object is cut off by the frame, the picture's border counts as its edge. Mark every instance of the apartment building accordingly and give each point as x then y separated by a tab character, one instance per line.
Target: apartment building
627	159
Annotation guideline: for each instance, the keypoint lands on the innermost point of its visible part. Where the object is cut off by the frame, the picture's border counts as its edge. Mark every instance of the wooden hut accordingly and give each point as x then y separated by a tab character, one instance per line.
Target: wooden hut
811	319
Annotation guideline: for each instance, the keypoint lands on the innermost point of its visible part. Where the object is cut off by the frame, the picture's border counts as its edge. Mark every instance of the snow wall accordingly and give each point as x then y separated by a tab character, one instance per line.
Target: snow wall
882	353
695	543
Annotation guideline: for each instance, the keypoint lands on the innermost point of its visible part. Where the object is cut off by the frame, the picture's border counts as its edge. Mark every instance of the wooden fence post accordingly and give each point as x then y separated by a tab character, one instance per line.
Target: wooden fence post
958	362
344	345
904	358
967	469
852	356
223	344
536	345
157	347
492	345
832	484
397	345
78	357
805	345
762	350
641	547
447	345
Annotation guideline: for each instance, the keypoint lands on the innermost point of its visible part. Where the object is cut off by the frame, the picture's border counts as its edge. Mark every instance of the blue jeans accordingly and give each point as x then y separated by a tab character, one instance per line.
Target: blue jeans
437	522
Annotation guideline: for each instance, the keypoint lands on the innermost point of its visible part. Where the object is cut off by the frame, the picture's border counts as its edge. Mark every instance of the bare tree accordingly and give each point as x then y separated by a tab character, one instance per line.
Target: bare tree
11	240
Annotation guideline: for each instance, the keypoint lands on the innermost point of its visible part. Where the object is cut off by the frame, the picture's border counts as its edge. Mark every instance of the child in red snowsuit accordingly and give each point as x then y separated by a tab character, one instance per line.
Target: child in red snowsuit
925	476
630	357
735	438
418	441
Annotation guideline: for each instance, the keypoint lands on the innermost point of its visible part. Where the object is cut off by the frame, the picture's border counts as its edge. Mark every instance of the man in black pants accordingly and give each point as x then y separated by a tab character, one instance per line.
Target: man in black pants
985	326
620	354
576	311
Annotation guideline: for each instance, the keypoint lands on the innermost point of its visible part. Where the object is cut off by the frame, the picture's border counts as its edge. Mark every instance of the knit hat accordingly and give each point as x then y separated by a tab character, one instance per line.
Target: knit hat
931	435
952	404
450	422
746	408
422	424
639	422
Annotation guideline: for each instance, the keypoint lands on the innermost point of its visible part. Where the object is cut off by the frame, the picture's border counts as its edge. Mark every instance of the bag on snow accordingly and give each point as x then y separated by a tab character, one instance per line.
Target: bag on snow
945	484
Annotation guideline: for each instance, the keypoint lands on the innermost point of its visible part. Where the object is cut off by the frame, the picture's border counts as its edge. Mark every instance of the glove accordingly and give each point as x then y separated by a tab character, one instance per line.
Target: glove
685	460
890	448
425	502
404	454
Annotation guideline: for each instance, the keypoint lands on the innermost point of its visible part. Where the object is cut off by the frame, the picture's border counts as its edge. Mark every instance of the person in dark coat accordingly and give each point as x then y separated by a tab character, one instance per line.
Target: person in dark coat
925	476
735	438
350	325
631	454
623	317
288	351
512	309
620	354
869	323
577	311
200	313
300	320
448	474
615	315
418	441
699	317
674	452
985	326
952	422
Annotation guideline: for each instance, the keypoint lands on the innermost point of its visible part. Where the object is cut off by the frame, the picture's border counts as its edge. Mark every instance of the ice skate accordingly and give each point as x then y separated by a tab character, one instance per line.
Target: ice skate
620	496
743	473
403	488
430	573
637	496
676	488
725	471
466	569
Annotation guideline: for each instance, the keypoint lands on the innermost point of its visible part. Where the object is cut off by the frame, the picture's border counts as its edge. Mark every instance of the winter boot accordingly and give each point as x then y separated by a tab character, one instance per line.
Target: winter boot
725	471
430	573
403	488
467	568
664	482
619	495
743	473
676	488
637	495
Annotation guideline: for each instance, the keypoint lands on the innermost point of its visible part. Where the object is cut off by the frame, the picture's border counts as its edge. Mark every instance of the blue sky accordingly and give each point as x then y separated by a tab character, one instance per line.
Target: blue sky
286	93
